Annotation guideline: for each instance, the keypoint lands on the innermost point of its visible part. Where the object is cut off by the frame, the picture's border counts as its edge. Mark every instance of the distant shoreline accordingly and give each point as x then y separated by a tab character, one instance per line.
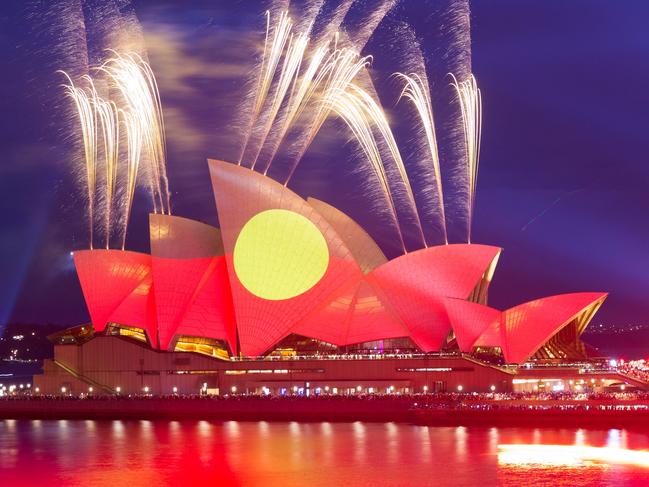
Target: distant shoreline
531	413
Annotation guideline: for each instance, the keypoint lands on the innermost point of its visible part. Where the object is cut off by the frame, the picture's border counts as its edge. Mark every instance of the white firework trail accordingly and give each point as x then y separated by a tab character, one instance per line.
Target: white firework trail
339	70
287	79
86	111
134	139
350	109
108	117
470	100
137	85
416	90
276	38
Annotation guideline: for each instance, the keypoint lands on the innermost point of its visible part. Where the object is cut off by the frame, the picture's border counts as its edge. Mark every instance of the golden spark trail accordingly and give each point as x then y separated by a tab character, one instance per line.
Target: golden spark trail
88	122
339	70
287	79
416	90
136	82
299	101
133	154
273	51
377	118
350	109
108	115
159	127
470	100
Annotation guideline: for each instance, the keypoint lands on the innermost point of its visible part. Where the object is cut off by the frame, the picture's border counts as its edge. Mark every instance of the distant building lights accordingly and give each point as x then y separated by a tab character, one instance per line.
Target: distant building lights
294	388
327	388
622	387
359	388
391	388
612	363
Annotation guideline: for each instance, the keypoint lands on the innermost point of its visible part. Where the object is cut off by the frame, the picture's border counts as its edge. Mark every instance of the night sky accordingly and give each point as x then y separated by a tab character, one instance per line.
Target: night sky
563	175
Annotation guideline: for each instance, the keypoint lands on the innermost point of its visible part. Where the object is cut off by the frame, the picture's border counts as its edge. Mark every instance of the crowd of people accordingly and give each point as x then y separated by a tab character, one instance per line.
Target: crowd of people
457	398
638	369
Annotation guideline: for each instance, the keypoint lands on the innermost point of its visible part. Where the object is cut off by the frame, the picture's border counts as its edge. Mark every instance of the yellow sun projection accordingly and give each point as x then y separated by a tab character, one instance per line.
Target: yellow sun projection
280	254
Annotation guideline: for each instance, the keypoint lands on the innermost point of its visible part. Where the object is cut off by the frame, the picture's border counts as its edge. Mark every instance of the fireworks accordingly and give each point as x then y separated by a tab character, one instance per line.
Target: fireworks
138	111
134	140
374	116
86	110
136	82
109	123
417	92
470	101
308	71
273	49
299	85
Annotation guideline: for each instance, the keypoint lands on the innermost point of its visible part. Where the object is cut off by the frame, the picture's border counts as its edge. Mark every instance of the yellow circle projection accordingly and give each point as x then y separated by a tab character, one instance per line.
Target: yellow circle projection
280	254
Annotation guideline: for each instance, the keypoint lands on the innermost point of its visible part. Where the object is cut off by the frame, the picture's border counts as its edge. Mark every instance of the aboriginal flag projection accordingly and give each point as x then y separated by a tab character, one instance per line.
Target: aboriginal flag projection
283	265
283	257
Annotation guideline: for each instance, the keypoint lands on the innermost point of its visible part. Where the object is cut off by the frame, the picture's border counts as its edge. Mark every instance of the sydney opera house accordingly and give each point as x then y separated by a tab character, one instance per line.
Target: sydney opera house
291	296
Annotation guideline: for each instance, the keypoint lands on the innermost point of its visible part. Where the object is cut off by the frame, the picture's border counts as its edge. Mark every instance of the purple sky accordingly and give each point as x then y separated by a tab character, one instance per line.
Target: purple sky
563	173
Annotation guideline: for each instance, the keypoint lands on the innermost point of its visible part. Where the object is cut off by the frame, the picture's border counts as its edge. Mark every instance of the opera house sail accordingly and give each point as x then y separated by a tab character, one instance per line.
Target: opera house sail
283	272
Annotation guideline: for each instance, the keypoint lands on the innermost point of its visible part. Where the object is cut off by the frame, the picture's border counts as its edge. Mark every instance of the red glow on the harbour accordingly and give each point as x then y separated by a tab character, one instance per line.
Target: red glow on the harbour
570	455
146	453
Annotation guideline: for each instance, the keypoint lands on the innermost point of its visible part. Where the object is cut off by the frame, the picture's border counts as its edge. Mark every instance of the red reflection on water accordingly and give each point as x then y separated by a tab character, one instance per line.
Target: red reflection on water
157	453
569	455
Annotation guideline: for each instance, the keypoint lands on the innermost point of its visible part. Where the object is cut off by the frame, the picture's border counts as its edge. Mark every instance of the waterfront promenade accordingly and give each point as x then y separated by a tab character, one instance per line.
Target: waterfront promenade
605	410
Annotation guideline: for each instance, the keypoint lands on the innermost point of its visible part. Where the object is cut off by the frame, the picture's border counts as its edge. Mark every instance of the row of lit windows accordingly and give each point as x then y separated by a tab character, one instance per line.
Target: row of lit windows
272	371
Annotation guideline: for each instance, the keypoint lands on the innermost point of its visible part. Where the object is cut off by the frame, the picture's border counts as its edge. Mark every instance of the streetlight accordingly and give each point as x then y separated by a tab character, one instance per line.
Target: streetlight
459	388
146	389
118	389
493	388
425	388
63	389
175	389
90	389
359	388
234	389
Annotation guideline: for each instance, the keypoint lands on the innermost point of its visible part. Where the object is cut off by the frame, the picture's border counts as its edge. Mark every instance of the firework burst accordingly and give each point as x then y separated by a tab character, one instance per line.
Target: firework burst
470	100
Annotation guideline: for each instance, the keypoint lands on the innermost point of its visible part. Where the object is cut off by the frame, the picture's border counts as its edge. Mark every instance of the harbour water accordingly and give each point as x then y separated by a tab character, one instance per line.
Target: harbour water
157	453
